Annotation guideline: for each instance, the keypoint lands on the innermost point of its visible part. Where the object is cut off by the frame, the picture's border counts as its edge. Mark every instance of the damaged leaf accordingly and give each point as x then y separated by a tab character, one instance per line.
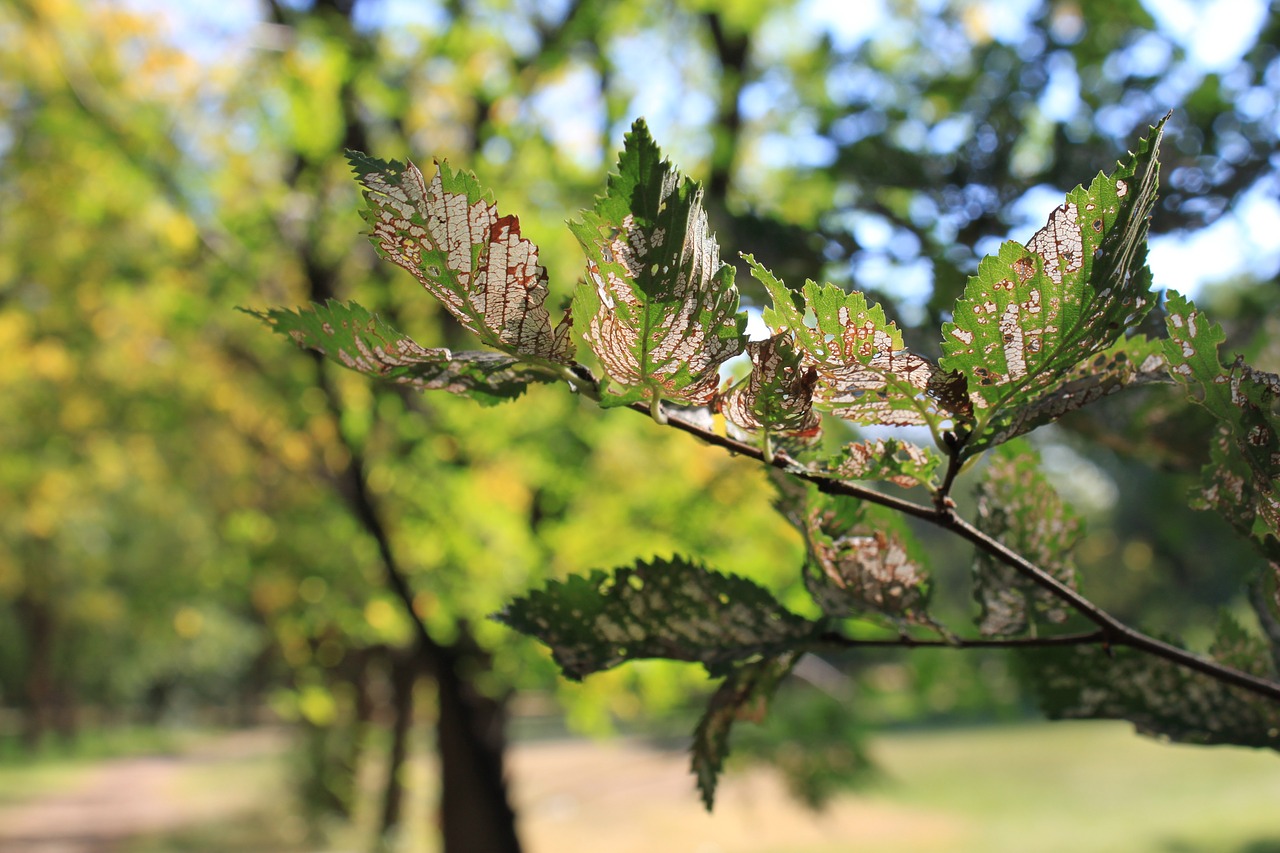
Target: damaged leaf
859	564
743	695
672	609
1159	697
1018	507
864	372
354	338
1240	480
892	460
448	234
777	396
658	306
1035	312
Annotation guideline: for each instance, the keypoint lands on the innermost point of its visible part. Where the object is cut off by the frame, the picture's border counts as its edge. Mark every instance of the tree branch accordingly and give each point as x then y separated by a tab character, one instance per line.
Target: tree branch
908	642
1112	632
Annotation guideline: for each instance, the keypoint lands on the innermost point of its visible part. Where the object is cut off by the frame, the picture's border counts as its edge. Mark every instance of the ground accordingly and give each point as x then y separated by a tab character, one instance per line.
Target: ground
1073	787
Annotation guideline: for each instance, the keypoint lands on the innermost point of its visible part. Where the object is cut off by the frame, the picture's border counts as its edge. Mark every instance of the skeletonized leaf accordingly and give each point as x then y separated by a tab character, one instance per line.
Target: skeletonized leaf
743	695
1159	697
1017	506
658	307
448	234
1240	480
354	338
1129	363
865	374
899	462
671	609
1034	312
859	564
777	395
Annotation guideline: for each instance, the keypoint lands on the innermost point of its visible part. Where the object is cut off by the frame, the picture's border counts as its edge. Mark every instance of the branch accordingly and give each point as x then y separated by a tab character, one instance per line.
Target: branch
1112	632
908	642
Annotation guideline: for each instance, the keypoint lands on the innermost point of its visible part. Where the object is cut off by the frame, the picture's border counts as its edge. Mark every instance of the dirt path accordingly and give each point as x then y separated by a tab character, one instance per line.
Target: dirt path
126	797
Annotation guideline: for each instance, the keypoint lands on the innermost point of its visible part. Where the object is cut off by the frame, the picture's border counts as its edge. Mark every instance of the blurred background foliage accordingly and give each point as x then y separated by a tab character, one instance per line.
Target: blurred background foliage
197	518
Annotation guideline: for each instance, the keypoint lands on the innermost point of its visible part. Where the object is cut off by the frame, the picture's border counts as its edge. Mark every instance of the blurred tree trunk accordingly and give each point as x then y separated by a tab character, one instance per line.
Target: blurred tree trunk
404	675
39	631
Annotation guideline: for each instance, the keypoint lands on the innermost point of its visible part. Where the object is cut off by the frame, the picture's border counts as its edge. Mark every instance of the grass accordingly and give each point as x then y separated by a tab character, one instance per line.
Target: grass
1086	786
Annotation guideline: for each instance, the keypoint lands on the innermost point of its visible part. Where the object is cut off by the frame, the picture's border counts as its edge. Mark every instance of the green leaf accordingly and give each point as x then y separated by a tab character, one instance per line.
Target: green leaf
351	336
1240	480
671	609
658	307
1035	312
1017	506
777	396
865	374
448	234
1160	698
743	695
860	564
892	460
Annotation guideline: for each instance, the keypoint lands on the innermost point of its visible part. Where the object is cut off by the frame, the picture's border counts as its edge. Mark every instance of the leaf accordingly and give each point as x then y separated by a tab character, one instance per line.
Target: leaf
1033	313
859	564
354	338
865	374
1160	698
777	396
1017	506
743	695
899	462
448	234
1240	480
671	609
660	308
1129	363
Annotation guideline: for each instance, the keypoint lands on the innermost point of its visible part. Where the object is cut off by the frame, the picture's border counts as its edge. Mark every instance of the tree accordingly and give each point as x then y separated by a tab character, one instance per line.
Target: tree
1042	330
175	482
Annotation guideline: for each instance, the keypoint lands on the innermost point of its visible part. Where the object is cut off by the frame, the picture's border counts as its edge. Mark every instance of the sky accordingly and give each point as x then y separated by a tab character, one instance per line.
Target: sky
1214	33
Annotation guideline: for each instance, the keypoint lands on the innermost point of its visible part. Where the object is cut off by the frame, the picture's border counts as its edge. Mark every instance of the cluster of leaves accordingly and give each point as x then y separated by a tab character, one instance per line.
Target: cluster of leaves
1041	330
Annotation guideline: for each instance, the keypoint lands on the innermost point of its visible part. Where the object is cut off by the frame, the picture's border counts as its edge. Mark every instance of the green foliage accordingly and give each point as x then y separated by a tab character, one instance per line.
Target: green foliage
354	338
1017	506
1158	697
744	694
1037	334
863	562
1240	480
667	608
865	375
659	308
1034	313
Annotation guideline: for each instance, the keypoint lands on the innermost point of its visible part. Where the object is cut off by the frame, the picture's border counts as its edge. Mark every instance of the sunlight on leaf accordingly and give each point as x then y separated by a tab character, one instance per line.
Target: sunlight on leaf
354	338
658	307
778	393
865	374
1035	312
448	234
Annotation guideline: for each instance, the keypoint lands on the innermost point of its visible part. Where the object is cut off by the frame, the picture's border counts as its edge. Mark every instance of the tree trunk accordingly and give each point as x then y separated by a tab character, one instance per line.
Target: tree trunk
403	678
